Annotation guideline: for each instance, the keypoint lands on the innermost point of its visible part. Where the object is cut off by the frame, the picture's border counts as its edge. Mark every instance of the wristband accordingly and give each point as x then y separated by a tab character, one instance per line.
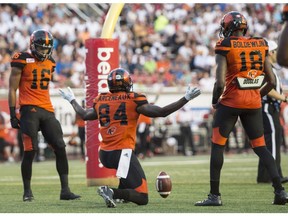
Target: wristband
12	112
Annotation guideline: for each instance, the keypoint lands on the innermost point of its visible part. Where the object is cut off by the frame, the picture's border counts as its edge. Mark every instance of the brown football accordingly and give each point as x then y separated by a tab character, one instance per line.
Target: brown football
163	184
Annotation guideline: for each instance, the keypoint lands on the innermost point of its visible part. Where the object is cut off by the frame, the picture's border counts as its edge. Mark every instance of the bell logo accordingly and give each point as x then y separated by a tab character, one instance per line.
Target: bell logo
104	67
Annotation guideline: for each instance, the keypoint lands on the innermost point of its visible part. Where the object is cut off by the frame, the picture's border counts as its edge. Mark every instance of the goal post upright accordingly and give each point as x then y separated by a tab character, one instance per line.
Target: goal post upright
102	55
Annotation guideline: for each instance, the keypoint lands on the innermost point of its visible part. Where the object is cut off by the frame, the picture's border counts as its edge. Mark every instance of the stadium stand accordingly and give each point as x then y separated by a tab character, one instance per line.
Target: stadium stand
160	44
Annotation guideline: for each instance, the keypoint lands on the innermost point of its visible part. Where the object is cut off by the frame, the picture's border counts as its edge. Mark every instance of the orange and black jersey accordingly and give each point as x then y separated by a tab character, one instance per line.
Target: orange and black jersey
118	118
245	59
35	78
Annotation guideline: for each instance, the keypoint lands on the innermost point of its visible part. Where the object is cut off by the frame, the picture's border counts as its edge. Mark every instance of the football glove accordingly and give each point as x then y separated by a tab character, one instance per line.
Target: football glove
191	93
67	95
285	13
15	123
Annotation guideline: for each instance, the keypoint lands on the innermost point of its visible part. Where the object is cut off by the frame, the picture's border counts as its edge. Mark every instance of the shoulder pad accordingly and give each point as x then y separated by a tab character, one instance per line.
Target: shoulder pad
52	59
22	55
224	42
257	37
20	59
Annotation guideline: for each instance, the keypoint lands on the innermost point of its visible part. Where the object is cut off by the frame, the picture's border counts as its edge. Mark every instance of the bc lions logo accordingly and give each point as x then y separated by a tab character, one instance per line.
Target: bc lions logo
111	130
252	74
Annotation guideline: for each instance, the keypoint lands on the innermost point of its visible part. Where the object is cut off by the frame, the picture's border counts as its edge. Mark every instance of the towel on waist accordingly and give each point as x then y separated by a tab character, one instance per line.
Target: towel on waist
124	163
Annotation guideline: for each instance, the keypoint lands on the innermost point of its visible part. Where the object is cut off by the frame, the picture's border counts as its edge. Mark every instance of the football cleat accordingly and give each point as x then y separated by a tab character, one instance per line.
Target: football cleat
212	200
68	195
107	194
280	198
28	196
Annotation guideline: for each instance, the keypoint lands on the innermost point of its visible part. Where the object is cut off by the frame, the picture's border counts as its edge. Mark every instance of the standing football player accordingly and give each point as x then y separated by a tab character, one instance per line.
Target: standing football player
31	74
241	65
118	112
282	54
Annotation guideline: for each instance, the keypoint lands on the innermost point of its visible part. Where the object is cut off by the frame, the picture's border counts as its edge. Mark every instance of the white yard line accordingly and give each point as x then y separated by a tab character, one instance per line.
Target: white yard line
187	162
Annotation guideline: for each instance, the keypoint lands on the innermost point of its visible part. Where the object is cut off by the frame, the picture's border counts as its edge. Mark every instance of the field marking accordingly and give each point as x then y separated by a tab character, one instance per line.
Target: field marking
188	162
143	163
53	177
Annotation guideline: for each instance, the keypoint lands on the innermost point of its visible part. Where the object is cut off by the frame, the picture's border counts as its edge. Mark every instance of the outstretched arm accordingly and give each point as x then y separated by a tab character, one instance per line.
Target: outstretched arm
151	110
85	114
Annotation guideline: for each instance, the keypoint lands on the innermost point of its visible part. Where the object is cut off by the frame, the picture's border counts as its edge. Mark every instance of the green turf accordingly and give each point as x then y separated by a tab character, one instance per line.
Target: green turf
190	178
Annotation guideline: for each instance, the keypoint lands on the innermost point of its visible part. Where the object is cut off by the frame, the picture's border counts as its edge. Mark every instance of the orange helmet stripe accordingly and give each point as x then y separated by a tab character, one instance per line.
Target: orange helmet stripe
46	38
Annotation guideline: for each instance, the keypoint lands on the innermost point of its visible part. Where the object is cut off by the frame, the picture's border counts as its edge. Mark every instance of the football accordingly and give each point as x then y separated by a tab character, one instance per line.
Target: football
163	184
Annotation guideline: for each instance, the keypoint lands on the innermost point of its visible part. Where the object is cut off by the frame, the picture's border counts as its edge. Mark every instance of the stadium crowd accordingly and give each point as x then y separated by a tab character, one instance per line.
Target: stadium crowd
160	44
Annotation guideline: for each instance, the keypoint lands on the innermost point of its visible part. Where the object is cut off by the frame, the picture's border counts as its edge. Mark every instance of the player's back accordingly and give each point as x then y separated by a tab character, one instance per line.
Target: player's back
118	118
245	64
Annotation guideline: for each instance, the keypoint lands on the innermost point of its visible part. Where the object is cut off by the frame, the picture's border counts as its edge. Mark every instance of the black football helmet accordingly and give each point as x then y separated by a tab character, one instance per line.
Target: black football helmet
39	41
119	80
231	22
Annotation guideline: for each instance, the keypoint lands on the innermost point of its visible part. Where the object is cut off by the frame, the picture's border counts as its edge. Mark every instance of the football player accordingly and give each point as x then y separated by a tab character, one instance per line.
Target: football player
31	74
241	65
118	112
282	54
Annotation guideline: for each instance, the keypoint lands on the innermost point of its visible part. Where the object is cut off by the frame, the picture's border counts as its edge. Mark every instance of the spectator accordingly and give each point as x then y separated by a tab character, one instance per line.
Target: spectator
180	24
143	148
184	118
5	153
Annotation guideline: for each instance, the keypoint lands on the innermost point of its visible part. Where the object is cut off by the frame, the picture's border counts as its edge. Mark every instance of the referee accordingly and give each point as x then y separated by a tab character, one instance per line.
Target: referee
273	131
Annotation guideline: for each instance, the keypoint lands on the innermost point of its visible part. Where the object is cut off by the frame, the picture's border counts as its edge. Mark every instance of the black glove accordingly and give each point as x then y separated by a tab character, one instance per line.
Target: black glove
15	123
285	13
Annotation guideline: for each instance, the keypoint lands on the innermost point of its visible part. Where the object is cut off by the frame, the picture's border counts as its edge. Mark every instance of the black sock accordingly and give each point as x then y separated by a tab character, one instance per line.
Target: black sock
269	162
62	167
26	169
214	187
276	183
216	163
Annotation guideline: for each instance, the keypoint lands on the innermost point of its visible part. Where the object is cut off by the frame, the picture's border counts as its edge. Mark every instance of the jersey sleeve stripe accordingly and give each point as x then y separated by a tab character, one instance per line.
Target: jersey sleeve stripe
18	64
19	61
